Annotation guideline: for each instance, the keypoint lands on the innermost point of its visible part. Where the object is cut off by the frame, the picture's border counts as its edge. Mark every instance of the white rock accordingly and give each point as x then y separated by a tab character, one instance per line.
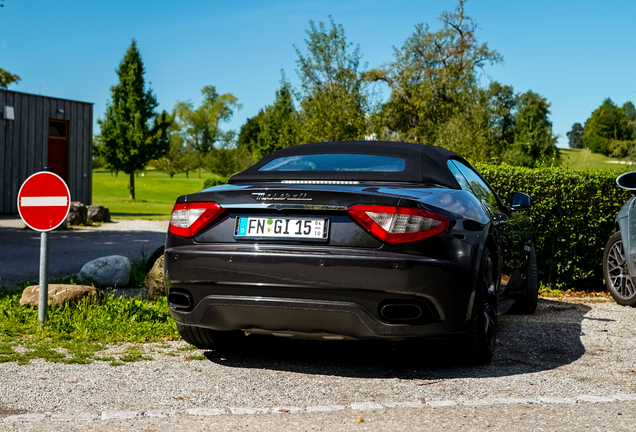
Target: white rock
113	270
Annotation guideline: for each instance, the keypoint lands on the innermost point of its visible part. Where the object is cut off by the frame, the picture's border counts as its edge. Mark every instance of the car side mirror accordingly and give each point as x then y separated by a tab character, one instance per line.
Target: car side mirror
520	201
627	181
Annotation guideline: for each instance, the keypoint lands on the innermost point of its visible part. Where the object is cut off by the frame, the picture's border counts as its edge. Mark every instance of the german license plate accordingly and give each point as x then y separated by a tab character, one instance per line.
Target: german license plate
282	227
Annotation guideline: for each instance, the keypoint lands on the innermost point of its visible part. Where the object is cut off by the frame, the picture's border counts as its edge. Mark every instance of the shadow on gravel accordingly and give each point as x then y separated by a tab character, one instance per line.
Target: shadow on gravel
9	412
526	343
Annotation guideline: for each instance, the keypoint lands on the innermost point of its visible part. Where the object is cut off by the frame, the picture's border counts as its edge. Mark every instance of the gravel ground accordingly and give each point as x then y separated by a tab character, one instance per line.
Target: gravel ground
568	355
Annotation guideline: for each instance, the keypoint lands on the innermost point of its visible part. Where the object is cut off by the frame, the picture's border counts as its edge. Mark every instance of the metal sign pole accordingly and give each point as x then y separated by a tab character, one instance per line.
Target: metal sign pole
43	305
43	203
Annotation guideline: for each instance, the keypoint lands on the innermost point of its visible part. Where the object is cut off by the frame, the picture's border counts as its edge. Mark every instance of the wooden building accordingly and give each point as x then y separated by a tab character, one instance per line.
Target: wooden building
41	131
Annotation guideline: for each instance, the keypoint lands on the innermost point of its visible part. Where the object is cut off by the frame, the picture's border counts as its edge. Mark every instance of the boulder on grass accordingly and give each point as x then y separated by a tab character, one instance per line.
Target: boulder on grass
98	213
112	271
154	280
77	213
58	294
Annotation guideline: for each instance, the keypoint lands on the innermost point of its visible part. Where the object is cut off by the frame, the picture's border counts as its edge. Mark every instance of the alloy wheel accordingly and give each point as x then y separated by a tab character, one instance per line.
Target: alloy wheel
616	269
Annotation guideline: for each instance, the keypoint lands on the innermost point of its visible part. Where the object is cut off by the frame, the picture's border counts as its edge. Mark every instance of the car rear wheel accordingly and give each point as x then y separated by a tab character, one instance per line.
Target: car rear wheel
527	303
482	327
204	338
616	274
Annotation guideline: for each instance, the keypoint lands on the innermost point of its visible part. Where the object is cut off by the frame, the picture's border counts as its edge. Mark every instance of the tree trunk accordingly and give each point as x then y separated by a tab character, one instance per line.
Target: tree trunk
132	185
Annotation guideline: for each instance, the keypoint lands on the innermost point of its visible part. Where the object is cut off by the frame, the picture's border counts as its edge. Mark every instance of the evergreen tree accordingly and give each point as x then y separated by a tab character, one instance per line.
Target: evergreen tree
132	133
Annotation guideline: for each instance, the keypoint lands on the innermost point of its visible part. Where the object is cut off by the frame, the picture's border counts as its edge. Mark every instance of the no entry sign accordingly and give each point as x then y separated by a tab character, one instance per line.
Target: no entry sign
44	201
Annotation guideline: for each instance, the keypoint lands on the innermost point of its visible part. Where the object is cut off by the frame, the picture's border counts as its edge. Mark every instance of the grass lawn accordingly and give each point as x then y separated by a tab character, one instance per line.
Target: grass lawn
583	158
155	193
79	333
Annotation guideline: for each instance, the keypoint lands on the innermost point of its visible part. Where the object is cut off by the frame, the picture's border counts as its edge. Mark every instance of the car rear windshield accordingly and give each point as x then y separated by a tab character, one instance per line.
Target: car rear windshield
336	162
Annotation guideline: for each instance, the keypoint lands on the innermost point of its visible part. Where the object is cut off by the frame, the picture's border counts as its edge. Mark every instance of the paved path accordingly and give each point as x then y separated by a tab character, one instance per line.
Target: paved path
70	249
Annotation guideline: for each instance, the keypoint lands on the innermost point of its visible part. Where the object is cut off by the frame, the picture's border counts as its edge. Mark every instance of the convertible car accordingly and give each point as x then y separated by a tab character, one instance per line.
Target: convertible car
351	240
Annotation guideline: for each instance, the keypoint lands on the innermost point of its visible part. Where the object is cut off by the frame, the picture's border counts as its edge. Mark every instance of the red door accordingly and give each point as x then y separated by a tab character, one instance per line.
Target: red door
58	148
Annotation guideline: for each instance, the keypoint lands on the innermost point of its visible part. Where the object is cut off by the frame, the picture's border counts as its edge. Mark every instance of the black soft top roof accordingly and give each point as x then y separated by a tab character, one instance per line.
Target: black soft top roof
424	163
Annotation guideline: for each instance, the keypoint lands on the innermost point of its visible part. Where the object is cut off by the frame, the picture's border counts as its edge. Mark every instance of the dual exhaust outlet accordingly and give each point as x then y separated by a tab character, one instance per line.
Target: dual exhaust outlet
395	312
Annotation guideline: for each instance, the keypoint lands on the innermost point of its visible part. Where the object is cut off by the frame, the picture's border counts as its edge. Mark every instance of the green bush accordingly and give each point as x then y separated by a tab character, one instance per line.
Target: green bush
597	144
573	213
213	181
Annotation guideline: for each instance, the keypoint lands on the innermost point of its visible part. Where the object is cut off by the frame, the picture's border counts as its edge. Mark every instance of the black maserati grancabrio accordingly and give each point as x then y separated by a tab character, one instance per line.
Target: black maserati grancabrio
351	240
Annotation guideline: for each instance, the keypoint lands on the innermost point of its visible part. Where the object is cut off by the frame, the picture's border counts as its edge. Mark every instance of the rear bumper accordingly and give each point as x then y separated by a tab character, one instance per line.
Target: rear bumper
327	290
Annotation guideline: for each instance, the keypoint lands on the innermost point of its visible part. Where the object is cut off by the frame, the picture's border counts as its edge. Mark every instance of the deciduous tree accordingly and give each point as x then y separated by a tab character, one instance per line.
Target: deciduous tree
180	158
534	144
607	122
248	135
575	136
434	82
502	105
630	112
333	98
280	125
228	157
201	127
7	78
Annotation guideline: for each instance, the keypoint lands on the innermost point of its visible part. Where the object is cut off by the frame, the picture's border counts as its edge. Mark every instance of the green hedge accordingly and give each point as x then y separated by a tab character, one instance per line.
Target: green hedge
573	213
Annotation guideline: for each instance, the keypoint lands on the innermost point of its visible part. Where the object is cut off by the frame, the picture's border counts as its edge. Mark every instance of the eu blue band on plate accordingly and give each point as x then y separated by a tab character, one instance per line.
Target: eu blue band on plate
243	226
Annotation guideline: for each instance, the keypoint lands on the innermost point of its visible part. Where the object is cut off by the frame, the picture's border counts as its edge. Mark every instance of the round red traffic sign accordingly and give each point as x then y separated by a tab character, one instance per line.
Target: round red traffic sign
44	201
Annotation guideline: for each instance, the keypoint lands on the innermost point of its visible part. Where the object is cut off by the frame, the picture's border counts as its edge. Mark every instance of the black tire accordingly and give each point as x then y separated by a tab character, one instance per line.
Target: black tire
482	327
527	303
617	279
204	338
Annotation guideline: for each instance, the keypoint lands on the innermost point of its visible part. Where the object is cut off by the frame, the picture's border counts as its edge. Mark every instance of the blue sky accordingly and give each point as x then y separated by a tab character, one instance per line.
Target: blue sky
574	53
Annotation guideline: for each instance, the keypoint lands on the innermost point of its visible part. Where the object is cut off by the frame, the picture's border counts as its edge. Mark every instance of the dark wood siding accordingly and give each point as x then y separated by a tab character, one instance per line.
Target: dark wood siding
24	144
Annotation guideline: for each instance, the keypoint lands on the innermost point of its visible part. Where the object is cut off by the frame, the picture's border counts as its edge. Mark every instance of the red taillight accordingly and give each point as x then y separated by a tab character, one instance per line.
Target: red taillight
187	219
398	224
